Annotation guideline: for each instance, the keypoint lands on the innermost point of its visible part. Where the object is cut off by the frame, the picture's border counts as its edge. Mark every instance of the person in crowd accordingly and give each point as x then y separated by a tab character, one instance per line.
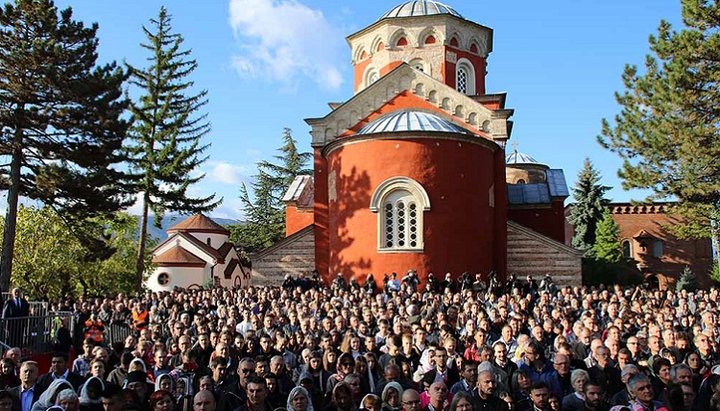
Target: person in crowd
486	400
161	401
59	370
575	401
204	400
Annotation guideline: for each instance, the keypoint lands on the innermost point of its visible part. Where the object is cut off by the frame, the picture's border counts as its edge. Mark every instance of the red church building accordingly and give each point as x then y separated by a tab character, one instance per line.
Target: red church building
411	172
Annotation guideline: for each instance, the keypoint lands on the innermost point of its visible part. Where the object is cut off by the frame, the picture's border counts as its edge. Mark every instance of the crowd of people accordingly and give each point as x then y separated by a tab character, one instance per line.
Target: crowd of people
453	345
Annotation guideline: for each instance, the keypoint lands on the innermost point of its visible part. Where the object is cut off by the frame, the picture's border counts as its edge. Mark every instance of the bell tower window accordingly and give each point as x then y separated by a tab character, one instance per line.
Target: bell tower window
465	77
400	203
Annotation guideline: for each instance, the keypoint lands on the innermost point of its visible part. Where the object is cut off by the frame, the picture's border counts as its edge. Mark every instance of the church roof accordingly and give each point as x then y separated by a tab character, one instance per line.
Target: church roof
411	120
199	223
178	255
420	8
517	157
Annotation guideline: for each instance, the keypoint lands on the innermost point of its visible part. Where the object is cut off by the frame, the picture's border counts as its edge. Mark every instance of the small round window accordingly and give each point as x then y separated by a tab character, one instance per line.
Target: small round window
163	278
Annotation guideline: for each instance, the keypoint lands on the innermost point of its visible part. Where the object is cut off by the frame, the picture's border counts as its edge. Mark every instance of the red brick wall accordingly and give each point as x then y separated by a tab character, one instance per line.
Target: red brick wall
296	220
546	220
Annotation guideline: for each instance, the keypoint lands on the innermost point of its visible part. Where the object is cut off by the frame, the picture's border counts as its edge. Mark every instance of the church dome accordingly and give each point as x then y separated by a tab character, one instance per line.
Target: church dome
517	157
420	8
410	120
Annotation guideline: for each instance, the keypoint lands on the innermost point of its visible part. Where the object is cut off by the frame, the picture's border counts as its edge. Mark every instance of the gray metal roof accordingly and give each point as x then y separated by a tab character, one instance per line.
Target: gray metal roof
420	8
301	191
556	183
528	194
411	120
517	157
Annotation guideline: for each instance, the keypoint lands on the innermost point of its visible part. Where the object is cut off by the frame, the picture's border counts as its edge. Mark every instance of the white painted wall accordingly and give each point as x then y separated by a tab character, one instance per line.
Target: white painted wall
216	240
179	277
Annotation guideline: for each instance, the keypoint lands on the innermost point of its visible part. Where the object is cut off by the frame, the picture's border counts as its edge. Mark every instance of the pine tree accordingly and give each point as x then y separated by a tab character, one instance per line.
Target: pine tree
687	281
167	131
668	129
607	247
589	206
264	211
60	117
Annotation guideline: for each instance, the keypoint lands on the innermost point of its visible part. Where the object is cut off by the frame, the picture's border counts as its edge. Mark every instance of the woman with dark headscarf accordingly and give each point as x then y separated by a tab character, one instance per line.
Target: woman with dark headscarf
90	395
47	398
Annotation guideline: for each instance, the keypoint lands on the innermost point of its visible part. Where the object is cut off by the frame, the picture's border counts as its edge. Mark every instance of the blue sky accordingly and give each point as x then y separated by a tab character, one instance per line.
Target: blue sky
268	64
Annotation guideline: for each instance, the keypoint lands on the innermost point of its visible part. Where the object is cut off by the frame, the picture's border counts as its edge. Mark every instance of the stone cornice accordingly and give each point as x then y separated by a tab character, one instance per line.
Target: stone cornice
460	108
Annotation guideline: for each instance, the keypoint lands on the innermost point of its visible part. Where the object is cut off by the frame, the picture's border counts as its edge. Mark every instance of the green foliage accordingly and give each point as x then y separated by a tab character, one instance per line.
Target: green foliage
687	281
607	245
167	130
715	272
53	260
60	114
668	130
264	211
588	208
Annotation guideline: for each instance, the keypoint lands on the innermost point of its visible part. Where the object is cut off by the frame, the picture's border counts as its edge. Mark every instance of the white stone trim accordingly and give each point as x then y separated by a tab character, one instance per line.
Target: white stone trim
466	64
363	104
417	195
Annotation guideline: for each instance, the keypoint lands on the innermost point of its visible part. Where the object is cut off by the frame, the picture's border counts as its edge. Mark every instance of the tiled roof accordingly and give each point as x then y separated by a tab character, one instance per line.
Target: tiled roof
178	255
225	249
199	244
200	224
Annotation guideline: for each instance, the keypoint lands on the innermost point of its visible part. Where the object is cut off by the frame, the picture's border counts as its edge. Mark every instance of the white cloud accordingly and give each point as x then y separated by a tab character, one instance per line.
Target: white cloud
230	208
228	173
285	39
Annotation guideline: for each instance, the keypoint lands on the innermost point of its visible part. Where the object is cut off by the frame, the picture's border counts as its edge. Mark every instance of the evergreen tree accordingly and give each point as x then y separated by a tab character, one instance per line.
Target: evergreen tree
687	281
60	118
668	130
589	206
264	211
607	247
167	131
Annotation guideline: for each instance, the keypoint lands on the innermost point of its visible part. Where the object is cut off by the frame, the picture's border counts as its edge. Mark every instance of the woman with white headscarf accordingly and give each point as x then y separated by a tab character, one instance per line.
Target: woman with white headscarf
299	400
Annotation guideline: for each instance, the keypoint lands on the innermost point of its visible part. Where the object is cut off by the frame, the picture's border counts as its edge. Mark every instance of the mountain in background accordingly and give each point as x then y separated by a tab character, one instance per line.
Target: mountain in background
171	219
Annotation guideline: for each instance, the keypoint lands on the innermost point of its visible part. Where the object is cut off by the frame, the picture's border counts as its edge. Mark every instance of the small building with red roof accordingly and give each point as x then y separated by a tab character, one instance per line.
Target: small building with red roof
196	253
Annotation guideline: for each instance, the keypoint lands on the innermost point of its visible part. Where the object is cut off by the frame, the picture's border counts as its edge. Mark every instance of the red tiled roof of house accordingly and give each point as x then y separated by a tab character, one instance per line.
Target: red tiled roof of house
178	255
200	224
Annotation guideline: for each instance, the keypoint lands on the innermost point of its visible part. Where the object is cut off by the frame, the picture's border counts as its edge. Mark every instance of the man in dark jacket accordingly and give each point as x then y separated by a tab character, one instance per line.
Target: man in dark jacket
59	369
486	399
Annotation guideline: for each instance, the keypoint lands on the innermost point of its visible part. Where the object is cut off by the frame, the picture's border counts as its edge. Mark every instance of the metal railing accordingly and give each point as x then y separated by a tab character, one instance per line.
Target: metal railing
42	333
116	333
37	308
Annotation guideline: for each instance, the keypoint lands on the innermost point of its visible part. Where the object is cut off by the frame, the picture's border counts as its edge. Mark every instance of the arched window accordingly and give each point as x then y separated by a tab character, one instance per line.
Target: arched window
402	41
520	181
465	77
400	203
474	48
627	249
454	42
430	39
371	76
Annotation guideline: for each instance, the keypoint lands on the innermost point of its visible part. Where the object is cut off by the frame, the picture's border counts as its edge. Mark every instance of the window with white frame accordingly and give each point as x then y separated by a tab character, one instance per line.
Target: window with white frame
465	77
400	203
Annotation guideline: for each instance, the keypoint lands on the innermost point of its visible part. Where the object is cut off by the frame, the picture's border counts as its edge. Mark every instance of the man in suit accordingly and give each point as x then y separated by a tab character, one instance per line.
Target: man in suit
26	394
59	369
14	309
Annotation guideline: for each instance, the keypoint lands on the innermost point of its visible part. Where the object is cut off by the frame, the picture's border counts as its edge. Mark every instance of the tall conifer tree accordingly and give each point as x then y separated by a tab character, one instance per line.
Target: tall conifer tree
607	247
167	130
264	211
668	129
61	131
589	206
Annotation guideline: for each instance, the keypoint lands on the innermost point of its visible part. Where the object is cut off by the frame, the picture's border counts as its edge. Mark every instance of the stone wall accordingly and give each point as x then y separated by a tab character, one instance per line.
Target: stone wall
292	255
531	253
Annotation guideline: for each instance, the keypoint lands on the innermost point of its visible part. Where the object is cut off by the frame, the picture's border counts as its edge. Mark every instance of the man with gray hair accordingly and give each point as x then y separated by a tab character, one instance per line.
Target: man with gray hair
680	373
643	393
623	397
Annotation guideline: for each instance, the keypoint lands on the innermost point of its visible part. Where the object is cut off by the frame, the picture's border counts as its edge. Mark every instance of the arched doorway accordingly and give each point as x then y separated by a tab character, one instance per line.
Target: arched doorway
652	282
